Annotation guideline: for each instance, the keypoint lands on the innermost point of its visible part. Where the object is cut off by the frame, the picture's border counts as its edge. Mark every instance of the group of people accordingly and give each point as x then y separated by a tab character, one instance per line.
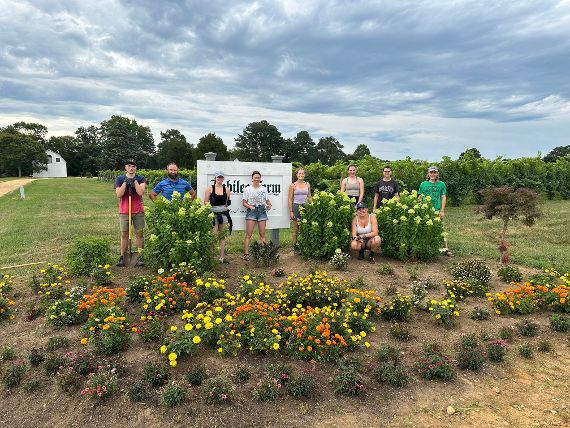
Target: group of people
130	189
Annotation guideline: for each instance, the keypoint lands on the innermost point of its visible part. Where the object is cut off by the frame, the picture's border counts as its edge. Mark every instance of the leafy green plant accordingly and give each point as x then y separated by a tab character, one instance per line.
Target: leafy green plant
339	260
509	274
150	330
217	390
479	314
196	375
413	272
264	254
36	357
52	363
385	269
112	334
57	342
31	385
63	312
544	346
156	374
173	395
470	355
528	327
348	381
102	275
8	353
68	380
267	389
180	231
560	323
138	391
400	332
410	229
507	332
496	350
433	364
86	253
13	376
398	309
525	351
137	285
444	311
241	374
325	224
418	291
472	269
302	385
101	385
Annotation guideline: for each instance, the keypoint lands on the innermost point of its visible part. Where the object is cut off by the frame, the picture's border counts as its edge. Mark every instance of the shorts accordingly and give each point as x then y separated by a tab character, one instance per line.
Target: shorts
223	217
297	211
137	218
259	213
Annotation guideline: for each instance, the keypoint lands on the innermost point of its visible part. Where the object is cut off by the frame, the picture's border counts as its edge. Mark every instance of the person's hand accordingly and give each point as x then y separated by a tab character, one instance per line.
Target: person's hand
292	215
441	214
130	182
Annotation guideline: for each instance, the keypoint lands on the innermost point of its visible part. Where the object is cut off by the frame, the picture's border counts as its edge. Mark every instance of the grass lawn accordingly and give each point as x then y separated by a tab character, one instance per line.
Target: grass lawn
57	211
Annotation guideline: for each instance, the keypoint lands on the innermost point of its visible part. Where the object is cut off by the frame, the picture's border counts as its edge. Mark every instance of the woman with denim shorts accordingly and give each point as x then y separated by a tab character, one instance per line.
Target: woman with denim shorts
256	201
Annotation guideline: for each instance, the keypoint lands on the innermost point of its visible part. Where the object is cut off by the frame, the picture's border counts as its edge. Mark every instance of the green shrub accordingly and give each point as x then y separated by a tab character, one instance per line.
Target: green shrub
410	229
63	312
241	374
509	274
302	385
560	323
136	286
400	332
156	374
507	332
57	342
479	314
217	390
36	356
52	363
264	254
151	330
472	269
433	364
470	356
68	379
544	346
398	309
138	391
325	225
525	351
348	381
86	253
173	395
8	353
527	327
496	350
196	375
392	373
267	389
13	376
180	231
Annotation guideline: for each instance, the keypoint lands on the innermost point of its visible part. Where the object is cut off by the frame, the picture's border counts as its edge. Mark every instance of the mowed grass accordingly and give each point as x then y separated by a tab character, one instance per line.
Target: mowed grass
57	211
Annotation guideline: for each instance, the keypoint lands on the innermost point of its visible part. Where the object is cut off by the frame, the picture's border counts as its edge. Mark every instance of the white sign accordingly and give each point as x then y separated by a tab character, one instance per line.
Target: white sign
276	177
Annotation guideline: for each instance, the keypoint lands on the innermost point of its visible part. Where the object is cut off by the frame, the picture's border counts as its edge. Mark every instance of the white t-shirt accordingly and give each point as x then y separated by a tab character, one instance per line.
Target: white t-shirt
255	196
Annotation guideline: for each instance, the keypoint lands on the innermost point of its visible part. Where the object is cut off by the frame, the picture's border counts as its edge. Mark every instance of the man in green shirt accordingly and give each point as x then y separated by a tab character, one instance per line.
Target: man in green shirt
438	192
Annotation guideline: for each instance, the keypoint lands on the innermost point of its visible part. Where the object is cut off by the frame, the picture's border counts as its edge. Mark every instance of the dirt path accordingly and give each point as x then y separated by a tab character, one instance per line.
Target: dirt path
8	186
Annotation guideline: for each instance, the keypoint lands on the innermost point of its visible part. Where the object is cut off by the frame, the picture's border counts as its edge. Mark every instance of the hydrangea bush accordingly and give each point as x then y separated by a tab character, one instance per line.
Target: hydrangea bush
179	231
410	229
325	225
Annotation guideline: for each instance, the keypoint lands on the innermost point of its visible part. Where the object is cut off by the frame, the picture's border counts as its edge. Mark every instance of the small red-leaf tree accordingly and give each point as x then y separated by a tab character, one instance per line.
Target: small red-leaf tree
510	205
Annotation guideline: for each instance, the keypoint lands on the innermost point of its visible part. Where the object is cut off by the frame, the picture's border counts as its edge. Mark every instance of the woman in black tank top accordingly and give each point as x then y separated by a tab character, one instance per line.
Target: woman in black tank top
218	195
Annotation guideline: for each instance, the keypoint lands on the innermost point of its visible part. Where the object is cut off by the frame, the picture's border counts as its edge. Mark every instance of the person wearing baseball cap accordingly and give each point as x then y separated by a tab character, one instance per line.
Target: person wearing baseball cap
365	233
133	185
218	195
437	191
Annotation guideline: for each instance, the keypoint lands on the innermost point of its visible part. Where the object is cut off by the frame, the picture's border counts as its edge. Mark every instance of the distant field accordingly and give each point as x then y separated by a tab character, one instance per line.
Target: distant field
56	211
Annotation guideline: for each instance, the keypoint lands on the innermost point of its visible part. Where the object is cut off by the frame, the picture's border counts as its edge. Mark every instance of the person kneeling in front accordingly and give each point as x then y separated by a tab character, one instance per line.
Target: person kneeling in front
365	233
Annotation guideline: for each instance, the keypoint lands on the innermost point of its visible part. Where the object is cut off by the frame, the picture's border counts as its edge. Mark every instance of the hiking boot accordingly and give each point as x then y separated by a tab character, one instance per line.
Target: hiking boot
361	255
121	262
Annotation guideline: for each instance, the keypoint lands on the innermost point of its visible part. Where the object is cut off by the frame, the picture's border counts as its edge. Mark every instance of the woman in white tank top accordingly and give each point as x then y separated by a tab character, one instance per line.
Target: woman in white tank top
365	233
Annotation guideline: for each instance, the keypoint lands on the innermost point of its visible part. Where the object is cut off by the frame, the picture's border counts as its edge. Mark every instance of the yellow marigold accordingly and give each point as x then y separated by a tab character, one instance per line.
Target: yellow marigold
172	356
196	339
84	341
173	363
276	346
163	349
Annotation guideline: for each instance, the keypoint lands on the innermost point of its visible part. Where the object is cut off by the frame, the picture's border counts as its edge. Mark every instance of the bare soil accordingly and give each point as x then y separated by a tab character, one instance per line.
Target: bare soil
517	392
11	185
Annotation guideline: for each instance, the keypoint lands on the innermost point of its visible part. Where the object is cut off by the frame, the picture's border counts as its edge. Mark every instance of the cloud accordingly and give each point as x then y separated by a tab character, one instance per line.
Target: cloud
419	78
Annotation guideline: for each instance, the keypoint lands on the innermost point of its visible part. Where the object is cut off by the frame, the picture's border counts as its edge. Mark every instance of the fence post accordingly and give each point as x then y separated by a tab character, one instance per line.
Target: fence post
275	232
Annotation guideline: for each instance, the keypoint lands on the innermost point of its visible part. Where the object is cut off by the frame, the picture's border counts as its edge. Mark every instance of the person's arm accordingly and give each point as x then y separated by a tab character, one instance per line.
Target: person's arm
267	200
361	192
290	200
374	223
375	205
309	197
354	234
343	185
140	187
157	189
442	209
396	189
207	194
192	193
120	190
228	196
244	199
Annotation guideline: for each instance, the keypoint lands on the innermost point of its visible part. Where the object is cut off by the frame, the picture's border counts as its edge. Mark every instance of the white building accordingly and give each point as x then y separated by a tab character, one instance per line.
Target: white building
56	166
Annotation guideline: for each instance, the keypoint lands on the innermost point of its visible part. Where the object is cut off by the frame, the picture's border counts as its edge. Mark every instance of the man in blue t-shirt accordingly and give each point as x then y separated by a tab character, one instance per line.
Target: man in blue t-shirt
172	184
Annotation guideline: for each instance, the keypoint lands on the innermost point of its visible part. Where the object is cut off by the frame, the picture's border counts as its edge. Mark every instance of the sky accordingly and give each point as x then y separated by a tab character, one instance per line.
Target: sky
416	78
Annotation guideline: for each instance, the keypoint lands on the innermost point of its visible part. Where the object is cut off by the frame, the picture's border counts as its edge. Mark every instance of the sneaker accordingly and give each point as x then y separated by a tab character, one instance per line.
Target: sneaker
371	258
296	249
361	255
121	262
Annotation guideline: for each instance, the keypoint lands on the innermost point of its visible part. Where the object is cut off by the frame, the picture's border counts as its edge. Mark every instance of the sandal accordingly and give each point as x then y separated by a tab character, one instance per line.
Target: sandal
246	257
448	253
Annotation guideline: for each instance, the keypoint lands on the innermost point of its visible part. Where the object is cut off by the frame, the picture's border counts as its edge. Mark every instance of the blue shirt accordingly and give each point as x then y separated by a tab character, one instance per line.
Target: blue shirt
167	187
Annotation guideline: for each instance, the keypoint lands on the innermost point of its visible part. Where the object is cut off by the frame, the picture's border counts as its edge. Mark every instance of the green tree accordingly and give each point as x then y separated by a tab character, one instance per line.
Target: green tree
20	153
35	130
67	147
89	149
123	138
300	149
173	147
259	141
211	143
473	152
329	150
557	152
361	151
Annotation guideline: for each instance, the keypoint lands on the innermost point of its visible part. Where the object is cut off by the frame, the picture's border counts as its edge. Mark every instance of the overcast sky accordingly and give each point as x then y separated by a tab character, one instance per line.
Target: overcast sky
418	78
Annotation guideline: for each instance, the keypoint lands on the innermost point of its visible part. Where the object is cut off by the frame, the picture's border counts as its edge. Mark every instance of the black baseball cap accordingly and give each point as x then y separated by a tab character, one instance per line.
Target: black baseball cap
361	205
130	162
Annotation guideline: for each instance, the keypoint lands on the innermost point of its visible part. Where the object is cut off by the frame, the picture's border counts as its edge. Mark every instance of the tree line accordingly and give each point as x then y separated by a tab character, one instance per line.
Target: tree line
105	146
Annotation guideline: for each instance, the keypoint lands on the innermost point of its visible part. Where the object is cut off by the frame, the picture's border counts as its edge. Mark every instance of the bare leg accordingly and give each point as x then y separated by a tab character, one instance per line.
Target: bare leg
295	232
124	242
140	239
249	225
261	227
222	243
